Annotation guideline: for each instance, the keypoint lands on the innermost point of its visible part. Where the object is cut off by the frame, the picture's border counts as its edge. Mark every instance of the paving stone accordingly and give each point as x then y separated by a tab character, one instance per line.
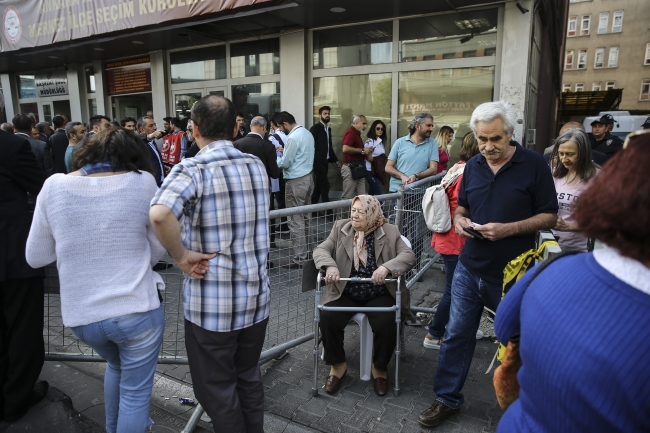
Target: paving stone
374	402
287	406
304	418
278	390
271	375
477	408
331	420
468	424
382	428
296	375
446	427
316	406
393	415
405	398
413	381
361	418
343	428
357	386
274	424
346	402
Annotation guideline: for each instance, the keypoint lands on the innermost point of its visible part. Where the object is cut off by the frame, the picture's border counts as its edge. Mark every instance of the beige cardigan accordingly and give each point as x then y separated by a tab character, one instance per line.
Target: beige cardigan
390	252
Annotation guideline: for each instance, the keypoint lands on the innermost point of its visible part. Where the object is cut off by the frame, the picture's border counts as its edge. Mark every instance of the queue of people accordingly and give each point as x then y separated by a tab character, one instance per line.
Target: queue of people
210	210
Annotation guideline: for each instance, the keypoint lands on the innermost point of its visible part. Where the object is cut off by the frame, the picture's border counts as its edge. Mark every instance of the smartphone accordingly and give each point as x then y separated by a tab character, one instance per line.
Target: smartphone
477	234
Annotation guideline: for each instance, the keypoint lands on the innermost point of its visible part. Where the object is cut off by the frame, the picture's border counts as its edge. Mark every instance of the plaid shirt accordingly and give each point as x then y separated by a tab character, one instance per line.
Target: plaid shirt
221	198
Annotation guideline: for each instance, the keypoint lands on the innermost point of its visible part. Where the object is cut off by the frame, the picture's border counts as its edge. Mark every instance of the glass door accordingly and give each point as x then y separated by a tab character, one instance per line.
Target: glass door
47	112
219	91
184	101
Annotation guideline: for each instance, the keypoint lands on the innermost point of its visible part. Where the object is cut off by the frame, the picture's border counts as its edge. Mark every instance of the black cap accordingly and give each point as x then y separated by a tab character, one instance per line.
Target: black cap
605	119
646	124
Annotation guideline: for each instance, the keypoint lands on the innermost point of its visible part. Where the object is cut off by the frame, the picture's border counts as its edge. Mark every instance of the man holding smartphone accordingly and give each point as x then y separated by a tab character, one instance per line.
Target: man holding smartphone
507	194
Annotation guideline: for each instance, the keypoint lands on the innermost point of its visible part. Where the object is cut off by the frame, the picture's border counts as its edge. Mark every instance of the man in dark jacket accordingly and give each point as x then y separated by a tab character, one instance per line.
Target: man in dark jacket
324	153
601	140
21	287
255	144
147	132
59	144
22	127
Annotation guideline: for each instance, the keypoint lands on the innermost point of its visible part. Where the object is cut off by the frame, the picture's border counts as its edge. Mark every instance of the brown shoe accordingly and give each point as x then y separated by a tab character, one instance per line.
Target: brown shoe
436	414
333	383
381	386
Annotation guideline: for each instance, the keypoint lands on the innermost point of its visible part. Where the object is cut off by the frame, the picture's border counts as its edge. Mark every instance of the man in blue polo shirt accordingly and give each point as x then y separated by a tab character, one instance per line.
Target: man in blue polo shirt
507	194
413	157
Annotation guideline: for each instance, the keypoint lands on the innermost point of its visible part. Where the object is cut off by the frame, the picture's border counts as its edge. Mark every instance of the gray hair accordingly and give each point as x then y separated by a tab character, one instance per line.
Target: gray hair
419	120
42	126
357	118
258	121
584	167
140	124
69	128
488	111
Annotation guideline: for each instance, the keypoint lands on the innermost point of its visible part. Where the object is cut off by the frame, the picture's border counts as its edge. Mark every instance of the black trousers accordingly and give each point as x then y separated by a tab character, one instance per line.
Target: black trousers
22	351
226	377
321	185
333	323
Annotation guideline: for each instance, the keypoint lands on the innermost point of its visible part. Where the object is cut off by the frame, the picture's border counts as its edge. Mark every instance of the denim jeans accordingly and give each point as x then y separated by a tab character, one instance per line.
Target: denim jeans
469	294
441	318
130	346
374	184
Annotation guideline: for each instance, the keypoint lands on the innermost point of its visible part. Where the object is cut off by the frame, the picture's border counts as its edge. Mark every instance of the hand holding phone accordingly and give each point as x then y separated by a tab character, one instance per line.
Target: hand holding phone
477	234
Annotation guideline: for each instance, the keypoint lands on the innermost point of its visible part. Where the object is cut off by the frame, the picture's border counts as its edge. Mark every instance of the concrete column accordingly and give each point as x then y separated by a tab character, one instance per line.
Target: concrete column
293	76
103	102
10	94
158	85
75	93
514	60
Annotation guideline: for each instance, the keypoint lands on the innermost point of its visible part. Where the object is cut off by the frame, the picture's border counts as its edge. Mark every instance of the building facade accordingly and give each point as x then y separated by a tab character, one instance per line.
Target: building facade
608	47
376	58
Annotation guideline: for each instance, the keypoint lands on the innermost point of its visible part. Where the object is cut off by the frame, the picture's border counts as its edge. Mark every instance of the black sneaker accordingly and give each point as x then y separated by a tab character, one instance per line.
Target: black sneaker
437	414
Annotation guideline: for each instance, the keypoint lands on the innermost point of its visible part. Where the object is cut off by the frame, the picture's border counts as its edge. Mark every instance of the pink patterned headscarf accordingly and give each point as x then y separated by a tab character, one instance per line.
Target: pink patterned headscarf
374	219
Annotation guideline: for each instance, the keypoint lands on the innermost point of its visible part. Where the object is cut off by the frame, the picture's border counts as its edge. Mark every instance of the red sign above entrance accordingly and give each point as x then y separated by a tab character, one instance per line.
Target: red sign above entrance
129	76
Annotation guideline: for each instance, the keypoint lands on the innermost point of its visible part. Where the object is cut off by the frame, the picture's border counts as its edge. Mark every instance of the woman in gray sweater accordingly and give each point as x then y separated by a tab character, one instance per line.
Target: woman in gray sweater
94	222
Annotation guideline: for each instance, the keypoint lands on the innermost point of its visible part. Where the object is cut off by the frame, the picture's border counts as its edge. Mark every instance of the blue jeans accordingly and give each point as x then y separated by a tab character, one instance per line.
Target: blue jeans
130	346
374	184
440	319
469	294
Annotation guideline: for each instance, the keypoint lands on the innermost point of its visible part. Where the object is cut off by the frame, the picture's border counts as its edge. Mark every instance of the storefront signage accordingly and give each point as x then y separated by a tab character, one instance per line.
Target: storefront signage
51	83
32	23
129	76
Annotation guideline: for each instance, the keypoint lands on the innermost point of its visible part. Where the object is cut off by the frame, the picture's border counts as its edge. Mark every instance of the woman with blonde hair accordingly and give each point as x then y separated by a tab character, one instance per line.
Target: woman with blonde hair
444	137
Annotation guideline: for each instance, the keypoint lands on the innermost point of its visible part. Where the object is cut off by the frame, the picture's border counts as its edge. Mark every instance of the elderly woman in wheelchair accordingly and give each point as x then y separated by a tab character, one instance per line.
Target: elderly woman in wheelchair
364	246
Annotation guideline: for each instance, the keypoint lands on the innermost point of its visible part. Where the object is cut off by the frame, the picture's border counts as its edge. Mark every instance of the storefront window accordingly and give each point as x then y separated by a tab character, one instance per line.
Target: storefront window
262	99
448	36
26	86
369	44
92	107
90	80
347	96
451	95
184	103
254	59
198	65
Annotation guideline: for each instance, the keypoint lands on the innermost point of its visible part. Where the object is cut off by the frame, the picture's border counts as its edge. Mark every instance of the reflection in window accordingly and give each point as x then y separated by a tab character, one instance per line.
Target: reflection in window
450	96
368	94
369	44
255	58
448	36
184	103
198	65
26	86
262	99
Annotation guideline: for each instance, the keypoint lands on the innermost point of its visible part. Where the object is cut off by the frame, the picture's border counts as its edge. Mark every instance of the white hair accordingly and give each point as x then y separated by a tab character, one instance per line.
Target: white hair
488	111
357	118
258	121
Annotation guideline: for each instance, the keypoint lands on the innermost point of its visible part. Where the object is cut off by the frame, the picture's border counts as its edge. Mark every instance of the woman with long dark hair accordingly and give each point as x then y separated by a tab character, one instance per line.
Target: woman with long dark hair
94	222
572	172
376	163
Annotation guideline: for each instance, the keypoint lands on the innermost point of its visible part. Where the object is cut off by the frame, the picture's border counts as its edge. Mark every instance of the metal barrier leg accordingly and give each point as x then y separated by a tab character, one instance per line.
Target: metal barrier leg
314	388
194	419
398	345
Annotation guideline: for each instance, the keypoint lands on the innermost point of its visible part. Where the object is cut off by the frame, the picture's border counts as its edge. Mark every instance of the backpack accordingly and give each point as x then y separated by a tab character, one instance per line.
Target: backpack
435	203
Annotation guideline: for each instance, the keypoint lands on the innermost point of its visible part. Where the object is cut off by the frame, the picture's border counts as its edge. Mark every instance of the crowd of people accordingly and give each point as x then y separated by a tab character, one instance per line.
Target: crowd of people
107	201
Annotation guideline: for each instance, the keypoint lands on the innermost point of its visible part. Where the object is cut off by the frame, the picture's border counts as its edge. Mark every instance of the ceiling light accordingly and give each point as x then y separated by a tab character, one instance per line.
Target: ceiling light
53	57
137	42
98	49
337	10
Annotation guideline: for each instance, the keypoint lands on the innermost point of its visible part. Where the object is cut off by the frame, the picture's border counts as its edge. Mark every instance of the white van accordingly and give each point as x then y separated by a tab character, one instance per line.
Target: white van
624	123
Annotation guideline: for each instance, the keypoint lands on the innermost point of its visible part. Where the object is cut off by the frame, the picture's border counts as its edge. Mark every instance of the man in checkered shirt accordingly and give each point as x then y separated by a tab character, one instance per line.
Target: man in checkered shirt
212	215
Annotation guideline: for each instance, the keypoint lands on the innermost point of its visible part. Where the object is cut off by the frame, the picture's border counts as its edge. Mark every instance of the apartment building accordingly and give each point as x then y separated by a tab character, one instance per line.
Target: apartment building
608	47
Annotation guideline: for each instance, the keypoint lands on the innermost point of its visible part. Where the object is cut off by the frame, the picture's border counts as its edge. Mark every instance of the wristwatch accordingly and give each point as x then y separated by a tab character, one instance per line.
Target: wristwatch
416	177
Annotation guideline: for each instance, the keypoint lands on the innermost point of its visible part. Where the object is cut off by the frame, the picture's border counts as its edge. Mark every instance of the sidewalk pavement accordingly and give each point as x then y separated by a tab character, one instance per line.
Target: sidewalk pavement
289	405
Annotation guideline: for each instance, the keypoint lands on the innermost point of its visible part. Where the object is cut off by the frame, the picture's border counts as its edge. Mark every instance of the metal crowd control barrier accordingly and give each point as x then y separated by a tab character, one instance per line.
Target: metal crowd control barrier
292	314
397	309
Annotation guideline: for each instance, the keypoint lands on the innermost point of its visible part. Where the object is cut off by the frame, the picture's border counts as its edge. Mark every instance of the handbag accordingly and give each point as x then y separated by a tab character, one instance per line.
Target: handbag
358	169
506	384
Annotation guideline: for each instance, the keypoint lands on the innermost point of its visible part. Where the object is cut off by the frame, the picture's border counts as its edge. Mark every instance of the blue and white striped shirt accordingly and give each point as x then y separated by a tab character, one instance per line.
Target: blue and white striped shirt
221	199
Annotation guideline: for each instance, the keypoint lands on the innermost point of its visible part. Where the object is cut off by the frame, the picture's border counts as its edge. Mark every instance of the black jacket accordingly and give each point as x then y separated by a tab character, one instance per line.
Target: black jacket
59	144
155	158
19	175
41	152
265	150
609	145
321	144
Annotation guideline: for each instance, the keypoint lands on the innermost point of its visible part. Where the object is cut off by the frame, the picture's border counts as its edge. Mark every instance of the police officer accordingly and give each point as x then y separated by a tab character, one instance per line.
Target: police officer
601	140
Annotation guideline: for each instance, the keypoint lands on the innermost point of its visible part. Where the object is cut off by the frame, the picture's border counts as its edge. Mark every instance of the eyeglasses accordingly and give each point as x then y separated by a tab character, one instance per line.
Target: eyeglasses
358	211
379	128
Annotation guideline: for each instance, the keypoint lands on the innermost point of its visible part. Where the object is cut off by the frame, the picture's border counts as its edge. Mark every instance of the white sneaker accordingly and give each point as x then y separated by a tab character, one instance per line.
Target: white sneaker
430	343
479	334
